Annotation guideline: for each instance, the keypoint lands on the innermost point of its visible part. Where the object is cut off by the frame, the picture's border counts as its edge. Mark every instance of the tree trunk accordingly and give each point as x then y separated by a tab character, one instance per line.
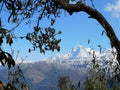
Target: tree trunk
71	8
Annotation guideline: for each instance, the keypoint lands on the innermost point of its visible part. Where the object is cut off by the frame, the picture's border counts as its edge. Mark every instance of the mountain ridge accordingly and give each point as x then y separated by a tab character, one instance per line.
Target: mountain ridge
80	52
74	64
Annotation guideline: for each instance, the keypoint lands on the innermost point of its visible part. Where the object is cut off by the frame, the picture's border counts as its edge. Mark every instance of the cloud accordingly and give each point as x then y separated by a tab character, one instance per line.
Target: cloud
114	9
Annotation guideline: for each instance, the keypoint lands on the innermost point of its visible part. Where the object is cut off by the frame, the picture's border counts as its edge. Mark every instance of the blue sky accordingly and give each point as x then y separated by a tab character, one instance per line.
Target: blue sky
76	29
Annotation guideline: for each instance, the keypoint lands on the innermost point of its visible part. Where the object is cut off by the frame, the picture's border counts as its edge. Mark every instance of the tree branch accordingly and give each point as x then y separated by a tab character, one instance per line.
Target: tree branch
71	8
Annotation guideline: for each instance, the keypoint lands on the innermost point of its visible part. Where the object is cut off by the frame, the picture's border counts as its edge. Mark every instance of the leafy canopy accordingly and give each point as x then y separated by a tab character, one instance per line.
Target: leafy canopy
22	11
44	38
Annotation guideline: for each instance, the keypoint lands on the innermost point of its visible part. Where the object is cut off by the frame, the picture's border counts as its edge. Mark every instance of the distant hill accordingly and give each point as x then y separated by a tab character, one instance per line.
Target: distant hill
43	75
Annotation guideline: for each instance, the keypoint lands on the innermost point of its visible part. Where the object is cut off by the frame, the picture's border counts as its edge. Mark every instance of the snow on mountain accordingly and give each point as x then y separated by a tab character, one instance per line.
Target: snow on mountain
74	64
79	57
78	52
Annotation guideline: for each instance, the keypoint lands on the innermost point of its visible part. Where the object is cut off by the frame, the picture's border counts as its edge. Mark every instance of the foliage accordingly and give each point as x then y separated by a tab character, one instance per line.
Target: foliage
96	79
6	58
105	76
44	41
16	79
22	11
45	38
65	83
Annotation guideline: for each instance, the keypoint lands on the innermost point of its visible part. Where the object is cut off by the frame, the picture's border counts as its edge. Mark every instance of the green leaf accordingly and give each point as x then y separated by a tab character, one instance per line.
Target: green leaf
59	32
52	22
88	41
10	61
9	39
103	32
99	45
100	49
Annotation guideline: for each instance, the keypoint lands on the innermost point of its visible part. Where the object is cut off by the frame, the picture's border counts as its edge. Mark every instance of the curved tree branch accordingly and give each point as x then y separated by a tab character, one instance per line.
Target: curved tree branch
71	8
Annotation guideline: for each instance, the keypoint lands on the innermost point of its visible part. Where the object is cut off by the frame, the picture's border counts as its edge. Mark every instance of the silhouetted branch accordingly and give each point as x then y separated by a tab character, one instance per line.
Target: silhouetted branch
71	8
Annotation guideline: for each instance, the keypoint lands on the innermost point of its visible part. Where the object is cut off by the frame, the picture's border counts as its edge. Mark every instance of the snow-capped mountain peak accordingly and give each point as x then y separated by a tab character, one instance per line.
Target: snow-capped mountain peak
77	52
82	54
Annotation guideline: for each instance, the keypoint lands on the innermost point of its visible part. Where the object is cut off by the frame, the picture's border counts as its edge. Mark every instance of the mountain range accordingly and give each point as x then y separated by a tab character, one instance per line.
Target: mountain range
43	75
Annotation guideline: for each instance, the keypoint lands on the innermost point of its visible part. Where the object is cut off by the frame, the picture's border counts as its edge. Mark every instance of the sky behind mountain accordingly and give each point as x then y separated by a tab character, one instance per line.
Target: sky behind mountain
76	29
